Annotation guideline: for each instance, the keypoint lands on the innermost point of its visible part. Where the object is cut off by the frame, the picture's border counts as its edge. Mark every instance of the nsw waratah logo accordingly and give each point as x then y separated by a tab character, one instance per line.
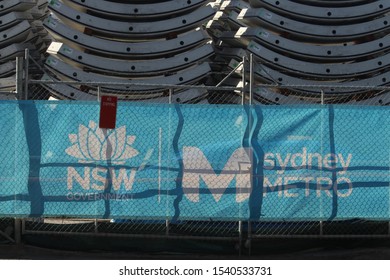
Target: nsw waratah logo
93	144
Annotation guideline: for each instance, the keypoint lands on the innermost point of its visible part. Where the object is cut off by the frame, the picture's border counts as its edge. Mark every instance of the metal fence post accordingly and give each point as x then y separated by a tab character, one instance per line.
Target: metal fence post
21	95
98	93
26	73
171	92
243	80
19	77
18	231
251	78
96	226
239	238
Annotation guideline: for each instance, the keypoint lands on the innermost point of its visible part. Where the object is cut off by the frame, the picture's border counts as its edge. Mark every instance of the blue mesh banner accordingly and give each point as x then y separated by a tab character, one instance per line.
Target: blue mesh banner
195	161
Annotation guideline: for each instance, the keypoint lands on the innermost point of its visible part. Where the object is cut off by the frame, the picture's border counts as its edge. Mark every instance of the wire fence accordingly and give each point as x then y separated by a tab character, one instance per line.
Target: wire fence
240	87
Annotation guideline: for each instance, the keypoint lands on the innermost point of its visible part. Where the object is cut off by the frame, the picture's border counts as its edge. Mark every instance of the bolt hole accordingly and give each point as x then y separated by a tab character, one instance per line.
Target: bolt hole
75	37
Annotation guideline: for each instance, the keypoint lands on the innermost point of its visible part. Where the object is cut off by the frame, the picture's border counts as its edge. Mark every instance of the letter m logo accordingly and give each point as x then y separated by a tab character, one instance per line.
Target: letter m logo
197	166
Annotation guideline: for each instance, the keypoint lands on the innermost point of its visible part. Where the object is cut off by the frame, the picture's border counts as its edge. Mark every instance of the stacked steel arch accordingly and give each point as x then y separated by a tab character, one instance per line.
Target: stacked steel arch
141	42
314	50
20	28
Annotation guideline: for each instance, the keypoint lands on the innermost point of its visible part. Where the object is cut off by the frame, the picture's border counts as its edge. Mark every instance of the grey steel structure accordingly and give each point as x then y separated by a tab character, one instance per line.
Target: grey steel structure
310	51
20	29
149	43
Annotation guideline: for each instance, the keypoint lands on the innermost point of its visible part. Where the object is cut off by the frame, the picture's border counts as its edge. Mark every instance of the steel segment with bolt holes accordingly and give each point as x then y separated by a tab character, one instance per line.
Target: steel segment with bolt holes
333	89
66	91
122	49
321	52
327	15
125	29
16	6
334	3
12	19
318	70
15	34
135	11
128	68
315	32
186	76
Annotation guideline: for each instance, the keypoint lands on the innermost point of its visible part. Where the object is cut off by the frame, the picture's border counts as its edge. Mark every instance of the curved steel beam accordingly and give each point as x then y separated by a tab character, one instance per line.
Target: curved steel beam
13	18
146	29
15	34
135	11
14	50
16	6
65	91
129	68
334	14
187	76
333	3
111	48
327	71
7	69
313	52
314	32
332	88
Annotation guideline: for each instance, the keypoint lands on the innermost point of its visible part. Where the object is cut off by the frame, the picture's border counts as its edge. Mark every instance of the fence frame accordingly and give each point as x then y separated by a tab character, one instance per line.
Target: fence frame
243	238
